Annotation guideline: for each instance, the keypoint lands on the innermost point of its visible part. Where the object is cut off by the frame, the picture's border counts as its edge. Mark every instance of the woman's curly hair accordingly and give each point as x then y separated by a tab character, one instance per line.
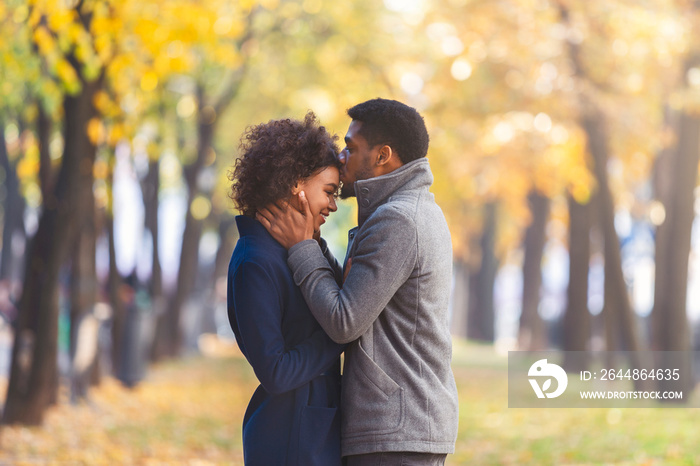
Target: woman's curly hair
275	156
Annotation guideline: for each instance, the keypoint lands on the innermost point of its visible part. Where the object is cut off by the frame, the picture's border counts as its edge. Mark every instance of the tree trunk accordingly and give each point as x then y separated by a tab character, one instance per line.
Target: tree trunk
663	185
168	336
34	367
228	235
83	294
44	137
150	188
460	299
114	288
481	318
670	328
577	318
13	217
620	320
532	335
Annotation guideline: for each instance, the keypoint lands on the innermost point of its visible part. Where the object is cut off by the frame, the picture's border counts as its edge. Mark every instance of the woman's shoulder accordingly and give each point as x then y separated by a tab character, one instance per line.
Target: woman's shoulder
252	254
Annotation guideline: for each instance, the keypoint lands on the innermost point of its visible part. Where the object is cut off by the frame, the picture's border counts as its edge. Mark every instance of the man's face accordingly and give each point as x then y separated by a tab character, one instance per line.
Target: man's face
357	159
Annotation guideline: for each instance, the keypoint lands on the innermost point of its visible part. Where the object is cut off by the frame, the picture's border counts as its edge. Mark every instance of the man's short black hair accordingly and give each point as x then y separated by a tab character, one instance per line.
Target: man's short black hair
392	123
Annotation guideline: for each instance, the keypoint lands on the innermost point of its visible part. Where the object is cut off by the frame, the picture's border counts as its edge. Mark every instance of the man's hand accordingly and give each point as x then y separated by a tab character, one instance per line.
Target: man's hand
286	224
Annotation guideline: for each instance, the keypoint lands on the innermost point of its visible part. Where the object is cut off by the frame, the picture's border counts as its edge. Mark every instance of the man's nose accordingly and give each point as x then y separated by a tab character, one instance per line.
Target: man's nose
342	157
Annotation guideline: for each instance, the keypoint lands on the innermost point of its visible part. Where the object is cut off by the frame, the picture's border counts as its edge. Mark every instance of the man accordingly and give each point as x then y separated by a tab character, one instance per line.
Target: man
399	399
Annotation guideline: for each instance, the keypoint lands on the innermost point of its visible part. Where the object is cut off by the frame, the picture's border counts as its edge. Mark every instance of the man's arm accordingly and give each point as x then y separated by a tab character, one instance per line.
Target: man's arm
383	261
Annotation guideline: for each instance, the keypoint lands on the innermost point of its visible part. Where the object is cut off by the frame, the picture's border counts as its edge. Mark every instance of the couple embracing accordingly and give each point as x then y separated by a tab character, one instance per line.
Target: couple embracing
294	308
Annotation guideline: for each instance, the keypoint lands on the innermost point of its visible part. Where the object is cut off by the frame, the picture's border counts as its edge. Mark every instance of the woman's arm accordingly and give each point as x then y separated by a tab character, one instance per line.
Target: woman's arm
258	313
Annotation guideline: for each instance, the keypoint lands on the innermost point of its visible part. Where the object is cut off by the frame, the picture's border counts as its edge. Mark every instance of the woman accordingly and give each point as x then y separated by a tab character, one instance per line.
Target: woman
292	418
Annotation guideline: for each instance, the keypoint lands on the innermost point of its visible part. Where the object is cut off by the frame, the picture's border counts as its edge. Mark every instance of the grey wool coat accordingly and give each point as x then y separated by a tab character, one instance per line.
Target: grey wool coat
398	391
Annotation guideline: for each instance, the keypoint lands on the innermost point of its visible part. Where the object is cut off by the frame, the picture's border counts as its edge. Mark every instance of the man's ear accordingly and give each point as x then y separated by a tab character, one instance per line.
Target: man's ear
385	155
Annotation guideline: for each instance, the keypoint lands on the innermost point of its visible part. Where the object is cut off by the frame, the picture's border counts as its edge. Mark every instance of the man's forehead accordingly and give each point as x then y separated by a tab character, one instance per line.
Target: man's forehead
353	132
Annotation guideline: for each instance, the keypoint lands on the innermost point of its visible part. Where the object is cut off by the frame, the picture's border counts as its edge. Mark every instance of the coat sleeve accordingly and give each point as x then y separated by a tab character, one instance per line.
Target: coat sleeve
258	313
383	261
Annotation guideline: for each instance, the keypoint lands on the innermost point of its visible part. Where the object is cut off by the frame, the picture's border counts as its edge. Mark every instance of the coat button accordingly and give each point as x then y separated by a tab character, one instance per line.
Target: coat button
364	191
365	202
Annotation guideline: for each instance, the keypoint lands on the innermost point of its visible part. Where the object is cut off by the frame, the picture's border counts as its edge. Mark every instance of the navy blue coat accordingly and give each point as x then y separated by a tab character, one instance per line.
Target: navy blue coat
293	416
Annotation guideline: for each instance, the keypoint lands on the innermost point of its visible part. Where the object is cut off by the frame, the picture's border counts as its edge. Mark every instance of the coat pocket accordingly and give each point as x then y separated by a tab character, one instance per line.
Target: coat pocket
372	402
319	436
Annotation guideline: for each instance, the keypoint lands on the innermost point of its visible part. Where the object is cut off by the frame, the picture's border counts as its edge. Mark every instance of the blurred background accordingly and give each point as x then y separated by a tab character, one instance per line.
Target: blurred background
565	141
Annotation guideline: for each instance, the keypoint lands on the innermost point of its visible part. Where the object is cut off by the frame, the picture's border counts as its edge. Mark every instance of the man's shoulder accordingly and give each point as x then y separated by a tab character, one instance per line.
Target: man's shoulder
412	204
399	213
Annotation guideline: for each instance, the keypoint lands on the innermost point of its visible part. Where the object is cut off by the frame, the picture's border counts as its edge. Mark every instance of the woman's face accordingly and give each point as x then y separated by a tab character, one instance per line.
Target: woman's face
320	189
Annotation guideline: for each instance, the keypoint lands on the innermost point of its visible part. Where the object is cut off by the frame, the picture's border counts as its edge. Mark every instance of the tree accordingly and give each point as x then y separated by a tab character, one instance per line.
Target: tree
677	169
84	46
33	377
577	318
481	312
532	335
13	208
168	338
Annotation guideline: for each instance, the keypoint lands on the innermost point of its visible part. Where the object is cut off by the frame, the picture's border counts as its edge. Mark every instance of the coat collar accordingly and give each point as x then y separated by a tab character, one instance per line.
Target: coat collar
248	226
374	192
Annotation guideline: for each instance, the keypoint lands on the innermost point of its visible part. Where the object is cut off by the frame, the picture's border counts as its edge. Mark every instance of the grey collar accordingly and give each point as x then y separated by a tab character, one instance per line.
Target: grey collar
374	192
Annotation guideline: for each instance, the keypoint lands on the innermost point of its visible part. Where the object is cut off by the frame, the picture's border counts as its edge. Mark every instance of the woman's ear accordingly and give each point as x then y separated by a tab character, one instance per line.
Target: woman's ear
296	189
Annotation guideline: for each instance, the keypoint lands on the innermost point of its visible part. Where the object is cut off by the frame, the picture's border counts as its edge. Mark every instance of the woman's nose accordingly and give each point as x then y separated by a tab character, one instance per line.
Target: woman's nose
333	206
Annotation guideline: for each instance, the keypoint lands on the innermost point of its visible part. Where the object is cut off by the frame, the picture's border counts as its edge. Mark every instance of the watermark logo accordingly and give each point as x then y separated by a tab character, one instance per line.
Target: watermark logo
542	369
602	379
